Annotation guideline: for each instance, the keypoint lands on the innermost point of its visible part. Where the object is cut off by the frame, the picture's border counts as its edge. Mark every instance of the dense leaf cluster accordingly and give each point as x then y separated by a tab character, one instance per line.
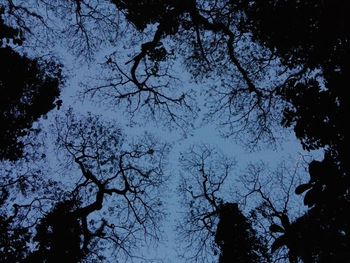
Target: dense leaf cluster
29	90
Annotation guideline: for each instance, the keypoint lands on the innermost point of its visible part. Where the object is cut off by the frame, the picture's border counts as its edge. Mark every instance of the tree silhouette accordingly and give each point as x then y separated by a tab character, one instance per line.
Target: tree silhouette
58	236
108	196
275	206
121	180
13	238
210	223
317	40
236	238
29	89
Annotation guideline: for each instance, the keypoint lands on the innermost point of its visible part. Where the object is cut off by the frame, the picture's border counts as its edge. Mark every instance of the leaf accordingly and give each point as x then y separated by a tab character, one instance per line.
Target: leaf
315	170
276	228
310	198
302	188
285	221
279	242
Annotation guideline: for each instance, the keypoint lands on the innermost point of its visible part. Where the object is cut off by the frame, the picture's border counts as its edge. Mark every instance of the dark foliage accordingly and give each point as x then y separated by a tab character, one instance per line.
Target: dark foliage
318	236
316	39
237	240
13	241
13	238
143	13
29	89
313	35
58	236
322	234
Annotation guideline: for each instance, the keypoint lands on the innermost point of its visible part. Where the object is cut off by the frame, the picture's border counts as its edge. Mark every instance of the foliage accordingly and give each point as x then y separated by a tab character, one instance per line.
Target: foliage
237	239
317	41
58	236
13	238
29	87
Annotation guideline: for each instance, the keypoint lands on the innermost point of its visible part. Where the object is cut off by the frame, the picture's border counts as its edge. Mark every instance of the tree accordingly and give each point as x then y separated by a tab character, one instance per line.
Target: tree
213	35
204	35
30	88
210	222
316	236
236	238
107	197
13	239
59	236
317	41
122	180
274	206
320	235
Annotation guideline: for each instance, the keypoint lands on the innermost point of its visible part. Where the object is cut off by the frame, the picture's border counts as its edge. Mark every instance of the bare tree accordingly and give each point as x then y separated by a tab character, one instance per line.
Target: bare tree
118	183
270	194
201	181
107	188
213	224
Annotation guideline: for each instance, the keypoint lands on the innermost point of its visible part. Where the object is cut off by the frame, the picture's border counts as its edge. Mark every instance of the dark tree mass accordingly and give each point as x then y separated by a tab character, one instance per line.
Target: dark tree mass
29	89
58	236
236	238
262	68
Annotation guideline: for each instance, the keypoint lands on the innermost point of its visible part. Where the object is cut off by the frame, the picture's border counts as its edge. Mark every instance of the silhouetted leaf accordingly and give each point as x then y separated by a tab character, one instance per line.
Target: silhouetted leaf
302	188
315	170
285	221
276	228
310	198
278	243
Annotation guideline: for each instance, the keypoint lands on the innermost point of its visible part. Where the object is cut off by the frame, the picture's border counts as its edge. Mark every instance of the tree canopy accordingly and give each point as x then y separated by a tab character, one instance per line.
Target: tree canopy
30	88
262	68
